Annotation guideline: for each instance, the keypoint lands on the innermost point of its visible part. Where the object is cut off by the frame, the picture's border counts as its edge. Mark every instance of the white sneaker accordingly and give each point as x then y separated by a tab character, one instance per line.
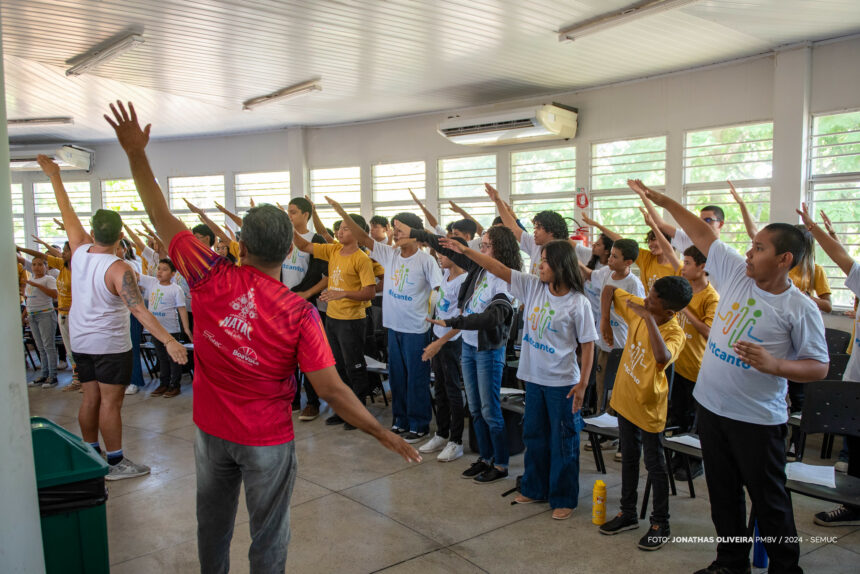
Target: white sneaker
434	444
841	466
132	390
62	366
452	451
126	469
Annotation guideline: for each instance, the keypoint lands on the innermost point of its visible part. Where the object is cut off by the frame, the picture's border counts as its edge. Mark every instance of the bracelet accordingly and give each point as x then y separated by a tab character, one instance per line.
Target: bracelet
170	340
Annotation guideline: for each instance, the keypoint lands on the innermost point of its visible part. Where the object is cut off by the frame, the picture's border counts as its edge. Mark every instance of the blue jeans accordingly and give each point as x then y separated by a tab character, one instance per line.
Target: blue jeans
136	371
269	474
482	377
551	436
409	378
43	325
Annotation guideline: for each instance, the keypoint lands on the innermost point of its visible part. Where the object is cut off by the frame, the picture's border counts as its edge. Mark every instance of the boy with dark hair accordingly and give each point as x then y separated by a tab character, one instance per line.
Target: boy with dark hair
640	396
766	331
203	234
380	230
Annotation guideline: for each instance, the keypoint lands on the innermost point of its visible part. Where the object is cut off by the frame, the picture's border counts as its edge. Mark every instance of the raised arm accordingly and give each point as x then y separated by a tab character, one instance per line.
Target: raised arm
508	218
828	225
133	140
494	266
586	272
749	222
636	186
319	226
30	252
216	229
72	225
606	297
700	233
135	238
603	229
831	247
433	241
302	244
360	235
235	218
432	221
48	247
665	246
462	212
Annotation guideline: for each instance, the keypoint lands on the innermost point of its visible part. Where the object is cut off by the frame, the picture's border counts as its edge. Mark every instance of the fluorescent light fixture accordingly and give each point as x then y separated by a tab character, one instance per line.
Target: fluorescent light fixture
58	121
625	16
99	56
284	94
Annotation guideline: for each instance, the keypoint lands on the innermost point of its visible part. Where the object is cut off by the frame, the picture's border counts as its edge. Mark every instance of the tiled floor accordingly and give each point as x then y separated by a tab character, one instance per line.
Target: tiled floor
358	508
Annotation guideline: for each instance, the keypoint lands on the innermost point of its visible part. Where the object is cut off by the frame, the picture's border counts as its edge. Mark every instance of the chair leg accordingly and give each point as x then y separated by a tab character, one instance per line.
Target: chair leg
830	439
668	454
689	476
598	454
645	496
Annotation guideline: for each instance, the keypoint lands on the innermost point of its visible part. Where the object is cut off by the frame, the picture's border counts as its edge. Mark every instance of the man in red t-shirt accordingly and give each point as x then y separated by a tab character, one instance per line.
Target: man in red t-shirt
250	332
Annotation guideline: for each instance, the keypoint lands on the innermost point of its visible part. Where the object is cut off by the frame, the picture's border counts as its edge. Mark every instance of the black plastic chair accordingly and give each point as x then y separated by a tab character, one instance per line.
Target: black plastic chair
837	341
838	364
595	432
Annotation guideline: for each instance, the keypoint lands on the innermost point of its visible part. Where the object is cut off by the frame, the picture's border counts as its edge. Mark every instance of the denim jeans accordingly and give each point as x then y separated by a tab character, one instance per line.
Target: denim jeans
449	397
63	320
136	370
634	441
551	436
43	325
482	377
409	378
269	474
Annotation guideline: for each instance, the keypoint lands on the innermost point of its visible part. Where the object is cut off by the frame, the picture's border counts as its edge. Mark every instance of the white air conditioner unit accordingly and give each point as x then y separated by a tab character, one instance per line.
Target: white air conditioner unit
534	123
68	157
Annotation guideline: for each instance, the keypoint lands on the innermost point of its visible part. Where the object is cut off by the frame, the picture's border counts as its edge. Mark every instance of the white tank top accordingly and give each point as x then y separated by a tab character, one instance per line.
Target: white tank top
98	320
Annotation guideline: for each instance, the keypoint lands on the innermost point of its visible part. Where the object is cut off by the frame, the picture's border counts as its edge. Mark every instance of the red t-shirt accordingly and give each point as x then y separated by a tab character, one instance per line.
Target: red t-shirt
250	331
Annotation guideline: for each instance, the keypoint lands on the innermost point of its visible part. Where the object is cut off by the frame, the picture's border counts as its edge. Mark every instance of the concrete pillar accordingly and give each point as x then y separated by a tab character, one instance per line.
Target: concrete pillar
297	163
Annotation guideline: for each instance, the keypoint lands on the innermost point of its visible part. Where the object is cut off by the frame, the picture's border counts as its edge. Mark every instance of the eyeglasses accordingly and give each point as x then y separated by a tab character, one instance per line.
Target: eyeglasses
710	219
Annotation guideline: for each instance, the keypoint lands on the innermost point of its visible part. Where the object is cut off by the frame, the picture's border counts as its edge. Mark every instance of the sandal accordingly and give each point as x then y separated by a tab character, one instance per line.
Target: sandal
520	499
561	513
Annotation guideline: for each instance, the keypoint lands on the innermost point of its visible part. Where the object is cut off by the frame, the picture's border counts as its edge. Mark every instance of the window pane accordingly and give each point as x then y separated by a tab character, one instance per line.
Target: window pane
343	184
526	208
543	171
272	187
620	213
734	152
121	195
79	196
613	163
466	176
483	211
19	231
734	232
17	199
48	231
836	144
841	201
392	181
202	191
388	211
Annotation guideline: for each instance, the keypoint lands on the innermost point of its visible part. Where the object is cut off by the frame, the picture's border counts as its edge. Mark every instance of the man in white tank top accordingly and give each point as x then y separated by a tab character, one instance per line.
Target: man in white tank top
105	289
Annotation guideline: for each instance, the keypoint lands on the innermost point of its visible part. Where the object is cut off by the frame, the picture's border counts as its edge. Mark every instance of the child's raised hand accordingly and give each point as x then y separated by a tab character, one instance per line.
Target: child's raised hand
452	245
638	309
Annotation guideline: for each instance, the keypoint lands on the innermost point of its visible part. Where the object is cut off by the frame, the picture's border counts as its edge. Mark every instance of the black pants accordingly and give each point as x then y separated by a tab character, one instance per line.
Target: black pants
853	444
449	397
737	455
346	338
170	372
302	380
633	441
796	396
682	405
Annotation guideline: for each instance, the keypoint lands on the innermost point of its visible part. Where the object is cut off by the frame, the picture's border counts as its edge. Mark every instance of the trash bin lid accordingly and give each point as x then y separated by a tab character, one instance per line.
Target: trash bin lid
61	457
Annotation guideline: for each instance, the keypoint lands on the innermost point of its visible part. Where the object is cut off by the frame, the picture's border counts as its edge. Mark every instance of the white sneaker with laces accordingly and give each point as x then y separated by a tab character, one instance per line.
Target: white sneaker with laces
126	469
434	444
841	466
451	452
132	390
62	366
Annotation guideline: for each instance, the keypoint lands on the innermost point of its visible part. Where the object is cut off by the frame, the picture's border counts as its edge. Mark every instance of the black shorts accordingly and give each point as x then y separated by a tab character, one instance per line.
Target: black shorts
110	369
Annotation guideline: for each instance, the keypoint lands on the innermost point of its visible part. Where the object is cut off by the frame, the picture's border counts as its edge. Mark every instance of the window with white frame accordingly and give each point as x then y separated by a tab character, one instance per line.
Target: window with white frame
543	180
342	184
742	154
202	191
461	180
391	185
46	209
270	187
834	187
121	195
612	164
18	214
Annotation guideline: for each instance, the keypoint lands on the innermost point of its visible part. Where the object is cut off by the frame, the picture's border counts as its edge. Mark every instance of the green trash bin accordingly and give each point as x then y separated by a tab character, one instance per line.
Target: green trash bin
71	480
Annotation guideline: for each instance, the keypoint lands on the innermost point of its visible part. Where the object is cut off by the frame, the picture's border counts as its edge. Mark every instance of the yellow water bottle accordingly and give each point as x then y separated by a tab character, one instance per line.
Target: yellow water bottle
598	503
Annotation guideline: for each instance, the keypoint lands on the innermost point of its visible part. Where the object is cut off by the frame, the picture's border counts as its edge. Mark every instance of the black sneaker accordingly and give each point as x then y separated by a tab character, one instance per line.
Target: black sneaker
492	474
695	467
655	538
348	426
413	437
334	420
478	467
790	455
397	430
839	516
715	568
620	523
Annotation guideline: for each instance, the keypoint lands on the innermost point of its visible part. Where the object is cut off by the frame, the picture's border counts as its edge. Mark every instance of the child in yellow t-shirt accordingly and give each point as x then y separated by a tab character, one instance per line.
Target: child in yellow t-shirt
640	396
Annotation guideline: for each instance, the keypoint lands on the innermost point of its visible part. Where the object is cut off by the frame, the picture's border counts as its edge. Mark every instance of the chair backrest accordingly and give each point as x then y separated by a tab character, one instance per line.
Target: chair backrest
837	340
832	407
612	368
838	363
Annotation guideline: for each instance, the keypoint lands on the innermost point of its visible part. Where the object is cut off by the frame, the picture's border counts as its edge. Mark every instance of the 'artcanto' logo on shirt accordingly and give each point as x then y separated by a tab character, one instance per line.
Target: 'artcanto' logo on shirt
541	318
635	359
740	320
238	324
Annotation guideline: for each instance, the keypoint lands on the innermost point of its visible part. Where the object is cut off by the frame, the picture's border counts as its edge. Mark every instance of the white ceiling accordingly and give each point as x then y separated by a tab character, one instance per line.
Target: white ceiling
376	58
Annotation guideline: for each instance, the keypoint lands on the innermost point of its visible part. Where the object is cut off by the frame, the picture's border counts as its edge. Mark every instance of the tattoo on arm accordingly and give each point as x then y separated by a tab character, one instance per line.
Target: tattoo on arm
130	293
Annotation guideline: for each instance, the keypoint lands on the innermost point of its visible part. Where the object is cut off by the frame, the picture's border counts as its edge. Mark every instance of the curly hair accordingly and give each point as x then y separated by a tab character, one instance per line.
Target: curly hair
552	222
506	248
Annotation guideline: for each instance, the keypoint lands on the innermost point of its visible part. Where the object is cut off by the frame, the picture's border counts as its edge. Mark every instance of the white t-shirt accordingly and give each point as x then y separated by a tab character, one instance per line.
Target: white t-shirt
37	300
151	257
681	241
552	329
852	371
532	249
787	325
593	288
136	264
162	301
474	243
407	287
486	287
446	304
295	266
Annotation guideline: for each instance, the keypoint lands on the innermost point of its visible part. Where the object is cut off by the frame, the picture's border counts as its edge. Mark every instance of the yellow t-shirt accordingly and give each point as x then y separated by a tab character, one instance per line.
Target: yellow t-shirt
378	271
819	281
345	273
22	278
650	270
703	305
641	393
233	248
64	284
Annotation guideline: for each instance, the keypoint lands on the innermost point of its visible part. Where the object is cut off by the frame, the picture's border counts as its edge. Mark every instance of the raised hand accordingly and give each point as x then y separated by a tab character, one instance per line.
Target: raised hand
313	207
415	197
637	186
127	128
336	206
804	215
457	209
60	225
648	220
588	221
252	202
734	192
48	165
282	208
452	245
402	227
638	309
193	208
828	225
491	191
